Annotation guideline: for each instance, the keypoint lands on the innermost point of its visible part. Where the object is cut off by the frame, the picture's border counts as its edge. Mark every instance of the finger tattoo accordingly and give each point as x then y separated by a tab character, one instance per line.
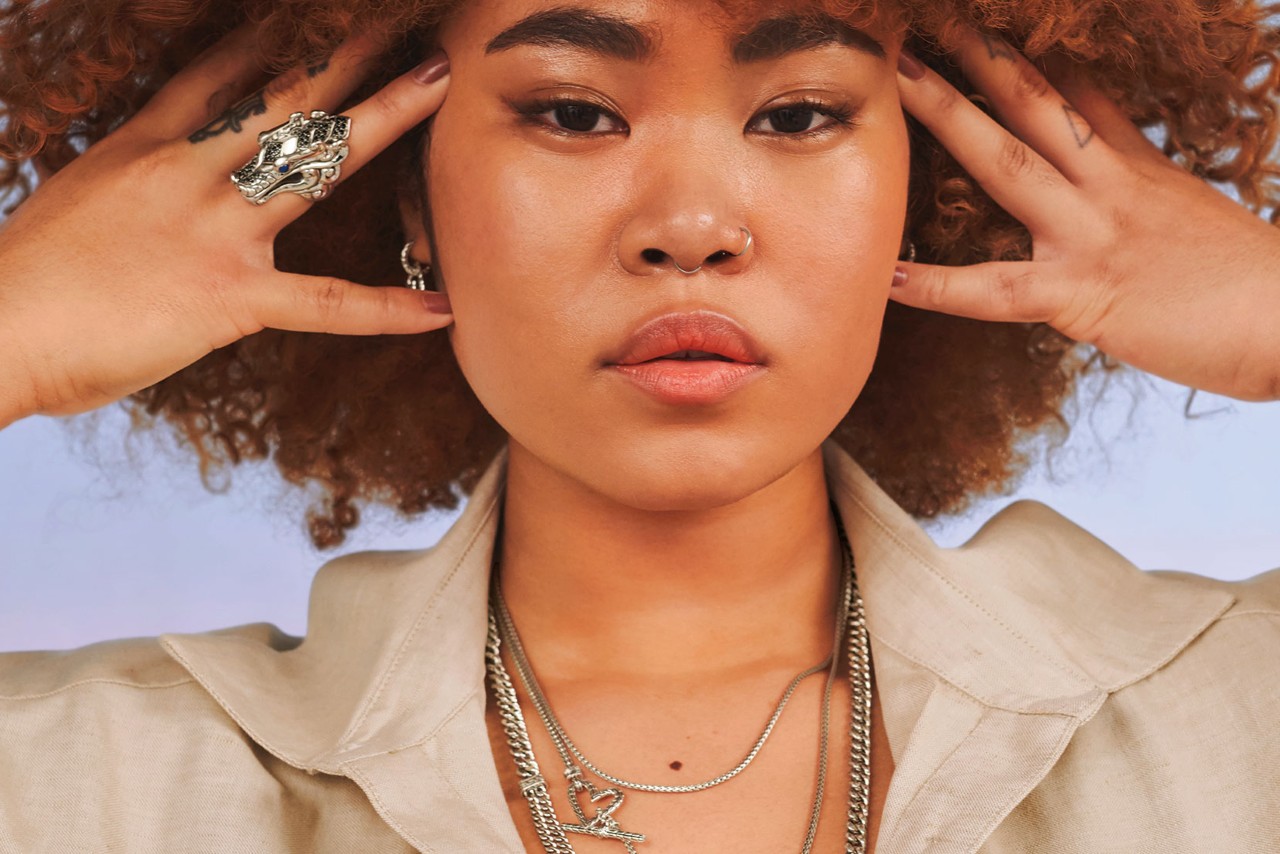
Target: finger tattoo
232	121
1080	127
998	48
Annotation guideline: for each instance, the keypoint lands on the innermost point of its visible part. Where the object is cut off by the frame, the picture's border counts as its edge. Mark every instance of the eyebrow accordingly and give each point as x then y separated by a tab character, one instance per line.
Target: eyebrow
618	38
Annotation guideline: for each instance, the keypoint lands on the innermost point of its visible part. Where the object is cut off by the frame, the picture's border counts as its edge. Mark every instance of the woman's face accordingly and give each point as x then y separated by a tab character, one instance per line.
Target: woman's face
584	149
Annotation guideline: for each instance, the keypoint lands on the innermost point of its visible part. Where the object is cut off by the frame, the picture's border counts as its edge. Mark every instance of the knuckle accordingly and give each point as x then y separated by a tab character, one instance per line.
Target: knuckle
934	292
1015	158
231	307
1011	293
288	89
949	100
1085	316
386	104
1029	83
1120	222
151	162
329	297
1271	388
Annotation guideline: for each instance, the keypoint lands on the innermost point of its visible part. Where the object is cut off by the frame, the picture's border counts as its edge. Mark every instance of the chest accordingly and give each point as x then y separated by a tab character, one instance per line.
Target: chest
766	809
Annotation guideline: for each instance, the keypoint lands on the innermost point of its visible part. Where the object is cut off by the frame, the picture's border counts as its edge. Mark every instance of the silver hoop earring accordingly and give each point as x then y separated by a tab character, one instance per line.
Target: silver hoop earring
416	270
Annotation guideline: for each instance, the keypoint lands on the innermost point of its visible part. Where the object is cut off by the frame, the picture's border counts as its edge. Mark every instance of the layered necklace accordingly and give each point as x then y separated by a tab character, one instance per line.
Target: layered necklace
595	807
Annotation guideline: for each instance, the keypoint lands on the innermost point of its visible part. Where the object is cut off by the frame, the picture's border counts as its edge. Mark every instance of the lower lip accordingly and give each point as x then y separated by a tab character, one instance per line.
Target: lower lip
700	381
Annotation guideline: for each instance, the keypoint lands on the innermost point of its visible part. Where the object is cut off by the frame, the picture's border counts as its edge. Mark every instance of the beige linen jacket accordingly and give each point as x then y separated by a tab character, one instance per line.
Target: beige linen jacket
1040	694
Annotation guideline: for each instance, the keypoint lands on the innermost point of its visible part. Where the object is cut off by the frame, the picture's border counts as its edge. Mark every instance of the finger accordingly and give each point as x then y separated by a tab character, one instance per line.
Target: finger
204	87
1007	291
376	122
229	140
321	304
1029	105
1111	122
1015	176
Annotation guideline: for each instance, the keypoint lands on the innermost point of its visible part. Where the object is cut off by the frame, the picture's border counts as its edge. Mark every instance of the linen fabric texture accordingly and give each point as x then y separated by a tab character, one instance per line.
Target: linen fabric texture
1040	694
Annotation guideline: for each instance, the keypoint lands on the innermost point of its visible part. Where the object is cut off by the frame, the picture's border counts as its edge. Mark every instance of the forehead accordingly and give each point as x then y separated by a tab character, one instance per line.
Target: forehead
633	30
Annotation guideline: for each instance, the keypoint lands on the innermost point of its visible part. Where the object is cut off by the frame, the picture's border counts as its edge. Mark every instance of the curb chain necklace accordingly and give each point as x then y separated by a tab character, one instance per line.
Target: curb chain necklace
601	823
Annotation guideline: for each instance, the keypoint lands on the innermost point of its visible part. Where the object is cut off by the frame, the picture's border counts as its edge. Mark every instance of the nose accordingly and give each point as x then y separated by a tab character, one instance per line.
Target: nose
694	254
686	232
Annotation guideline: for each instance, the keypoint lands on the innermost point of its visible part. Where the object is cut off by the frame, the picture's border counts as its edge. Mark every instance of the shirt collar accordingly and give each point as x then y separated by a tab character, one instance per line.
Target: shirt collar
1032	616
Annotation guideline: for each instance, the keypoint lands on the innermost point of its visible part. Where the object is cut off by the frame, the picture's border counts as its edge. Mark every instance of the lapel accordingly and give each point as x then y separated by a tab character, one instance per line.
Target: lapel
987	658
388	686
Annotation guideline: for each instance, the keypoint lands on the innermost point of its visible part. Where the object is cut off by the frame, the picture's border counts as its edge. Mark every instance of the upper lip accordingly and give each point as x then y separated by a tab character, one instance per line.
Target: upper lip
708	331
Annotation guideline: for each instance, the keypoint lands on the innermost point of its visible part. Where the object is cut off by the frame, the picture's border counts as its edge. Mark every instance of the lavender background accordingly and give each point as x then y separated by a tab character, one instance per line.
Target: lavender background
103	539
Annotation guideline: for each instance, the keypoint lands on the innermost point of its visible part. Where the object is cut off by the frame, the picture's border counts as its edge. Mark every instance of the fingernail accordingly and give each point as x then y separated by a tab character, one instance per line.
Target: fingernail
899	277
436	303
909	66
433	69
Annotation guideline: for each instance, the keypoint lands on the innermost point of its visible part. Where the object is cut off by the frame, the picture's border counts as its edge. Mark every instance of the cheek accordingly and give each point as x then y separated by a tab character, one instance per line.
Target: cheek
837	243
485	232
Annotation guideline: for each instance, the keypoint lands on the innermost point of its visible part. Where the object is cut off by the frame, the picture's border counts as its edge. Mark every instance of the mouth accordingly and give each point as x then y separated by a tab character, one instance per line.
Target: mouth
694	358
690	356
698	336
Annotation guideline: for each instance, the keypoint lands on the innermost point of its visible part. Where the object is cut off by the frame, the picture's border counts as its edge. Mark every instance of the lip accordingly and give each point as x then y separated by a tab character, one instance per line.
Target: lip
640	361
709	331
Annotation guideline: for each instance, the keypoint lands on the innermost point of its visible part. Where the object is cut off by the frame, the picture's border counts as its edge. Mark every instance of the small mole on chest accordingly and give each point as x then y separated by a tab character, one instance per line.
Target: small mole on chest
677	765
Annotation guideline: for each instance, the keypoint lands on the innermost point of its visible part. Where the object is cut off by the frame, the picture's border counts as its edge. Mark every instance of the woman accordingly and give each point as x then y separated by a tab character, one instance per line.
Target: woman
665	240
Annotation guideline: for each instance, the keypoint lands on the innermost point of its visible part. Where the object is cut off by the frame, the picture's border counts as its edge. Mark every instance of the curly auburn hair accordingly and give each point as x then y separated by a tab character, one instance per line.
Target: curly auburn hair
950	402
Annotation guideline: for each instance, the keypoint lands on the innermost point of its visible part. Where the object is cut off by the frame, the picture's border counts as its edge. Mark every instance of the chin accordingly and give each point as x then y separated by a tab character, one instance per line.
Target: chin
683	470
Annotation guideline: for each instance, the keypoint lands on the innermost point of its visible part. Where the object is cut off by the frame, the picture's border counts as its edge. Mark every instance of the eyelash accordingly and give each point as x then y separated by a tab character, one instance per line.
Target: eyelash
841	115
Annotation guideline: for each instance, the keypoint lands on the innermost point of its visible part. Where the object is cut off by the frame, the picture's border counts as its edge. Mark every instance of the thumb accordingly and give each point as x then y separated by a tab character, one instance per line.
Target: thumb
322	304
1011	291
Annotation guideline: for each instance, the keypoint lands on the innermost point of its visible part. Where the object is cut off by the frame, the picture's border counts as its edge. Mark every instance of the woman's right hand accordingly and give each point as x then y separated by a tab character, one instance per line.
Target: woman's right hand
140	256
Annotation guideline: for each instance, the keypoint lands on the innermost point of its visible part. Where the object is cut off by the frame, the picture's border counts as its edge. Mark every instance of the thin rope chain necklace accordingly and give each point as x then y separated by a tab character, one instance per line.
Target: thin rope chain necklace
601	823
525	671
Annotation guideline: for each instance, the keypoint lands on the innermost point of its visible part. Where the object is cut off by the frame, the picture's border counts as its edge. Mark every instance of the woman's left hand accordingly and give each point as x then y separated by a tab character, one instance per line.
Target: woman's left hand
1131	253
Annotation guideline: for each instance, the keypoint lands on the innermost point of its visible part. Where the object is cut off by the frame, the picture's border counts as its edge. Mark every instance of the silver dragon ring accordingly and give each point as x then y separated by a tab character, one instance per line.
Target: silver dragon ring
303	156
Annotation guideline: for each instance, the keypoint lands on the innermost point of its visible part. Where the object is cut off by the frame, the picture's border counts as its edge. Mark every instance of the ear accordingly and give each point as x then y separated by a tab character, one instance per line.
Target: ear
414	226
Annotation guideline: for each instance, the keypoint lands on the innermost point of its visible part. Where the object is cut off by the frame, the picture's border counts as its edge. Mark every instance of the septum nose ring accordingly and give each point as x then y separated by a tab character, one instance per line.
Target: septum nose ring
742	251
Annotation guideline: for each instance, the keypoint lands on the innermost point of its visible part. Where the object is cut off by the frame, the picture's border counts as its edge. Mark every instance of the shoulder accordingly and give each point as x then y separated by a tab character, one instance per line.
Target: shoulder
1058	543
1231	628
110	711
130	663
1044	546
107	698
1064	585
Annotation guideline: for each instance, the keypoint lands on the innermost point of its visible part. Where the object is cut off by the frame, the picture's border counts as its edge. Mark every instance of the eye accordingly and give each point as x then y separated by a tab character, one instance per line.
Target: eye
798	119
570	117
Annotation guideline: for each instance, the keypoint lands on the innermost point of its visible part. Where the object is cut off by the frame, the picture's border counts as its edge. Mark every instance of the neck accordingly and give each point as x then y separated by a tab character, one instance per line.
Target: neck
600	589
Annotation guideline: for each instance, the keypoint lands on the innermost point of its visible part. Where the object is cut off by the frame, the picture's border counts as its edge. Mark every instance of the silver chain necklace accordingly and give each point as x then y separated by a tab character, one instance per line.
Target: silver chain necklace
601	823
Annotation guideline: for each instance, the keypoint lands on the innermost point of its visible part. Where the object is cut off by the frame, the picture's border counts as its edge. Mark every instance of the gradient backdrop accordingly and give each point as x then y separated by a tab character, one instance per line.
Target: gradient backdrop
104	540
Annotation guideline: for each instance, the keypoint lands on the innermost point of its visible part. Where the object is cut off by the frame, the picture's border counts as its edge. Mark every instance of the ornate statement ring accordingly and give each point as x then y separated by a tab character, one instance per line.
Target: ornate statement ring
303	156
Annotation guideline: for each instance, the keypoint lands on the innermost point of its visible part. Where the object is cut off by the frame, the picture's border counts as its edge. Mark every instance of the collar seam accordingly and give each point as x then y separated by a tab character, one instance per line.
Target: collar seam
1075	675
430	736
1161	663
372	794
96	680
970	694
239	719
1252	612
385	679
